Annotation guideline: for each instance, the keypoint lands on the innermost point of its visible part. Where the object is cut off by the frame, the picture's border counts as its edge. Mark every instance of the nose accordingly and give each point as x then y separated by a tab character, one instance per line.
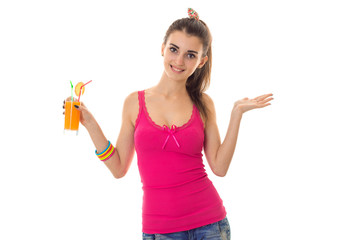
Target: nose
179	60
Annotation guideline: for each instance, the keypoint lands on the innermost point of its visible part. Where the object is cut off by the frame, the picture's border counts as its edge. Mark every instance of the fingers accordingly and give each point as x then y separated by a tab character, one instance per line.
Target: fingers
82	104
266	100
264	103
80	107
262	97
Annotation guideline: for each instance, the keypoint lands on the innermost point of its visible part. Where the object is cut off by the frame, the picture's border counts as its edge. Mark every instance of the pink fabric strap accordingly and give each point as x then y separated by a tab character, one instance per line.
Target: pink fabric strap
141	97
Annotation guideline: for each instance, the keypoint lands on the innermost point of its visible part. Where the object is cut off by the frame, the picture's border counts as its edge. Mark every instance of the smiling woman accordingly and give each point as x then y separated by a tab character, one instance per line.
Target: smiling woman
185	57
169	126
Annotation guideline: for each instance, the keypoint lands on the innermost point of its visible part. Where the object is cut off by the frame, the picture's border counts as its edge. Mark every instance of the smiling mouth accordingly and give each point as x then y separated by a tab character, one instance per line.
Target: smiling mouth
175	69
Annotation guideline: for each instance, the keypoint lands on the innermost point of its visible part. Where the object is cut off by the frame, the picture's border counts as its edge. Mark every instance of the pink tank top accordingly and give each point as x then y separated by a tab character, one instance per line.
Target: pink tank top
178	194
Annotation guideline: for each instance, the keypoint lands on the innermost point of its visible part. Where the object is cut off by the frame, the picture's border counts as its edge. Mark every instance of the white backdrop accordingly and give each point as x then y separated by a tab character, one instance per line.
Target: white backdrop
295	172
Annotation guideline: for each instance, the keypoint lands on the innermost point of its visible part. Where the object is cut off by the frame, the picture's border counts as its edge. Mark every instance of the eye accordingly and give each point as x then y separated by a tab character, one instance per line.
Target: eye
190	55
172	49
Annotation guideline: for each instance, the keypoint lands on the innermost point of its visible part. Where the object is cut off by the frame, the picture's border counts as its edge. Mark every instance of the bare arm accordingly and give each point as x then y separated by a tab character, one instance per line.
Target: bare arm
219	155
120	162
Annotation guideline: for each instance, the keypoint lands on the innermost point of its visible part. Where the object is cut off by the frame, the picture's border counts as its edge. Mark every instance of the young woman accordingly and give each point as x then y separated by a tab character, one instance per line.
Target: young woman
168	126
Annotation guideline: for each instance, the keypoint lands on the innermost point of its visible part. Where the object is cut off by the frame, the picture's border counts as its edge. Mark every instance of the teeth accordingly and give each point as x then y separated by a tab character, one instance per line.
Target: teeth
176	69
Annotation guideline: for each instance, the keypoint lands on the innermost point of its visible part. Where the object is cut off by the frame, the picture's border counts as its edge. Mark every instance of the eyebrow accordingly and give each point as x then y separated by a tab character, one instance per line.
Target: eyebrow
190	51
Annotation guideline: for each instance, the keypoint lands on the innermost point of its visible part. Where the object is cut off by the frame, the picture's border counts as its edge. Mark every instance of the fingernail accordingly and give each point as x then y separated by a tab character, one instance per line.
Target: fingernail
77	106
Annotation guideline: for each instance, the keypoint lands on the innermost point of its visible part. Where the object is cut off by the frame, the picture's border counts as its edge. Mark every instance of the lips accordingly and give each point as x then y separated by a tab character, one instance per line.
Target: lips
175	69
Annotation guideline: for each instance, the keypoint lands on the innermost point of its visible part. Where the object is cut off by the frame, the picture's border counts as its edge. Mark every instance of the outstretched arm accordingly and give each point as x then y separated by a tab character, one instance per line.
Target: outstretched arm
219	155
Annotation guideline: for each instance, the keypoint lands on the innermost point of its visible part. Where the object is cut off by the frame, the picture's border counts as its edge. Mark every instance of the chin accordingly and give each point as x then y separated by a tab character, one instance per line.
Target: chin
176	75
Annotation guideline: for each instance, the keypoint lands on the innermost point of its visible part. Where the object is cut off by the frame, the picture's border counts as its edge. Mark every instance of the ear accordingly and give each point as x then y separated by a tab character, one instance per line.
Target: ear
162	49
203	61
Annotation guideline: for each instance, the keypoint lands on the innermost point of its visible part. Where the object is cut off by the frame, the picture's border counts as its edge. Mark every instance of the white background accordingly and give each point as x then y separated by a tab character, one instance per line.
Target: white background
295	171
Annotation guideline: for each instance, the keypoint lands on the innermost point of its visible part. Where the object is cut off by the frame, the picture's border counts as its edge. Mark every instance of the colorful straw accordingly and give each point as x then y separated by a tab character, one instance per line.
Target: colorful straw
72	87
81	89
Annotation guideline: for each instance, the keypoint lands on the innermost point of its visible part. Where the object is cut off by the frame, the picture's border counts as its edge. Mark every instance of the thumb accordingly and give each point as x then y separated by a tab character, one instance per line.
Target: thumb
79	107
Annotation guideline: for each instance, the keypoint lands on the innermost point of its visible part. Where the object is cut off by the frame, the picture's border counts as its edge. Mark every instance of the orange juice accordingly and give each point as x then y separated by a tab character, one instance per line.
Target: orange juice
72	116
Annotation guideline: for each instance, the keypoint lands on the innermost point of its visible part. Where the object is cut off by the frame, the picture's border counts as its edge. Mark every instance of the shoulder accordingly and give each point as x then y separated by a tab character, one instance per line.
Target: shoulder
131	99
210	110
131	107
206	98
209	103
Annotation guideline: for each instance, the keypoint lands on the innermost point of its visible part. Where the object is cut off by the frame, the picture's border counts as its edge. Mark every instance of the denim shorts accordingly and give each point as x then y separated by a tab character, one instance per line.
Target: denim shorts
215	231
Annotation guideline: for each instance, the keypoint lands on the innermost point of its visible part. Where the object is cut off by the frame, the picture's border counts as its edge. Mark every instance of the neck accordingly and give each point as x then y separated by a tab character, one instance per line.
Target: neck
170	87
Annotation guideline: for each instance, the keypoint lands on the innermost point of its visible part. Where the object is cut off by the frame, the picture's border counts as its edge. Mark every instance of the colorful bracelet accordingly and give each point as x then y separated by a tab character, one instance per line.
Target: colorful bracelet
107	153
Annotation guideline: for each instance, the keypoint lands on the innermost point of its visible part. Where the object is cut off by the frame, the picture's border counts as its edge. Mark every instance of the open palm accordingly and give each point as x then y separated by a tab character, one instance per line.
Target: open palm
247	104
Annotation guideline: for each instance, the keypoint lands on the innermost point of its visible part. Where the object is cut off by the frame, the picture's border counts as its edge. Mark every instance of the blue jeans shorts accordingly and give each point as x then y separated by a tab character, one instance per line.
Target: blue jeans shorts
215	231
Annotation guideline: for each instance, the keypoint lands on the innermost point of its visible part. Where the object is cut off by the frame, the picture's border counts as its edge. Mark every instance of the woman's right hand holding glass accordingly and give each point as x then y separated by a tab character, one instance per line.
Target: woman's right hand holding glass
86	118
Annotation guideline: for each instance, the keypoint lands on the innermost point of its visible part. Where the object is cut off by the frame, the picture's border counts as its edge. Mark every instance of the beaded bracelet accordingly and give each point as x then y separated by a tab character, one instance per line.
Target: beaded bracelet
107	153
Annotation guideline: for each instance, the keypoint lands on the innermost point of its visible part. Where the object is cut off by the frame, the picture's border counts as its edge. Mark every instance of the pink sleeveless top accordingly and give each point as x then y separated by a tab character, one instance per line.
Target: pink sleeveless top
178	194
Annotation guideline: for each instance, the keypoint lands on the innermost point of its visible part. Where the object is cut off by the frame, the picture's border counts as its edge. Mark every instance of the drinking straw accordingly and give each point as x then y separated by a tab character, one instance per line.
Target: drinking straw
81	89
71	90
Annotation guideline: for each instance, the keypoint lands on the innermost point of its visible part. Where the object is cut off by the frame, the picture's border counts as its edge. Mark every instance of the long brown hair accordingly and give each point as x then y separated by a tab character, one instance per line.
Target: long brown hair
199	81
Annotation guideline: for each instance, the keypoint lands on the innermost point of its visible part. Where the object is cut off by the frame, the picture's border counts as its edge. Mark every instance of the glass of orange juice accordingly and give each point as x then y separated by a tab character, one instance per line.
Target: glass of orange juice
72	118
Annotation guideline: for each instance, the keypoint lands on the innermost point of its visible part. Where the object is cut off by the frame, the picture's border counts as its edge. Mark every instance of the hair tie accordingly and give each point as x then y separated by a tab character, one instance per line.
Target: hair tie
193	14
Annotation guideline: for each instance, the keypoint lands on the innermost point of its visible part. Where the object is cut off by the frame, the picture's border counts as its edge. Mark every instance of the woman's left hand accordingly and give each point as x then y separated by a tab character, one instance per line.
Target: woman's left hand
247	104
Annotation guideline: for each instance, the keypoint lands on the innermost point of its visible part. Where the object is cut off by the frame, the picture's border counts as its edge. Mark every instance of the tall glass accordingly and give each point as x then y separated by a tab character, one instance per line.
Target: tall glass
72	118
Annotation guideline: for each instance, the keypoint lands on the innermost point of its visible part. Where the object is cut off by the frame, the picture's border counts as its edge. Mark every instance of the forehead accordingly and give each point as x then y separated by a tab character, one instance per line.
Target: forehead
185	41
